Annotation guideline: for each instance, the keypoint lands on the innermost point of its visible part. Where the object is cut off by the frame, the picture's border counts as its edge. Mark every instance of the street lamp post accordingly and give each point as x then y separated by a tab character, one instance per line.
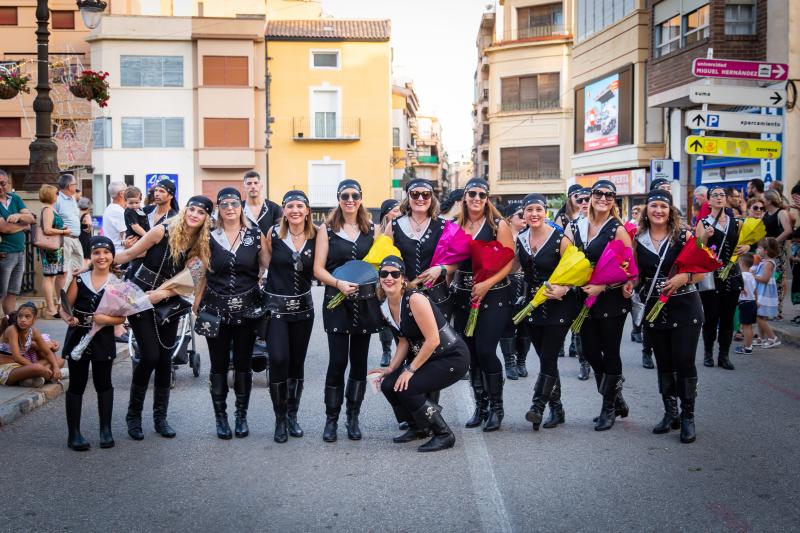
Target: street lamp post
43	164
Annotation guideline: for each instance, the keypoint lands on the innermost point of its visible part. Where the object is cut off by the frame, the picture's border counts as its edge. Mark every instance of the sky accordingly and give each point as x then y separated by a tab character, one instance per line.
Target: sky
434	46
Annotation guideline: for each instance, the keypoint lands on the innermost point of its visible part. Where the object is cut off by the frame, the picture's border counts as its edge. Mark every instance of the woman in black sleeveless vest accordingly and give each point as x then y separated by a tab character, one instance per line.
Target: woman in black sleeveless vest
230	291
290	245
515	342
778	224
481	219
390	209
167	248
430	356
346	235
720	298
675	332
601	333
539	250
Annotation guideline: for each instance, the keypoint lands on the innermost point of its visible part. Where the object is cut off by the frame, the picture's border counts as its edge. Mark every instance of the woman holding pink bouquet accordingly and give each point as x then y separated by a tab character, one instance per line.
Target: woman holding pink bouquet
676	331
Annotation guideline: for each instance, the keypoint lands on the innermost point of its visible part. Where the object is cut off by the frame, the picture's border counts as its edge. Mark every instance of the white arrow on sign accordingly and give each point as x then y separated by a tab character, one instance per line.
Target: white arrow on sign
723	121
735	95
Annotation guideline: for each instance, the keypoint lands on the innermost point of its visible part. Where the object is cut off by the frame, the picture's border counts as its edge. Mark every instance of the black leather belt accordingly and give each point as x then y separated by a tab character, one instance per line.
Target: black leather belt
278	304
364	292
438	293
85	320
447	338
249	303
645	287
462	281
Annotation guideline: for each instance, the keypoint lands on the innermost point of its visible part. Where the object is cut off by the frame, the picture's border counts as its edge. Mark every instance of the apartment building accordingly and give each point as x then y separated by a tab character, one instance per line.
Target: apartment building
405	106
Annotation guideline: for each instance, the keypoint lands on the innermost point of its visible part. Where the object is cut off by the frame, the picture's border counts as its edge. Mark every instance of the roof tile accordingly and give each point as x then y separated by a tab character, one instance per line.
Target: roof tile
329	29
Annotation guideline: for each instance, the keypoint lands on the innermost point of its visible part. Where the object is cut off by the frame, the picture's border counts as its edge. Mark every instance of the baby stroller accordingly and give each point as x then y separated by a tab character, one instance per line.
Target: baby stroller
184	352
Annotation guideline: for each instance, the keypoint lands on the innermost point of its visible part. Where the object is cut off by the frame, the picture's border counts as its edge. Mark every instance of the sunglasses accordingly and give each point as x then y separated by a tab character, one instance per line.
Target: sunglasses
600	194
232	204
519	215
346	196
480	194
394	273
298	262
582	199
416	195
718	195
757	208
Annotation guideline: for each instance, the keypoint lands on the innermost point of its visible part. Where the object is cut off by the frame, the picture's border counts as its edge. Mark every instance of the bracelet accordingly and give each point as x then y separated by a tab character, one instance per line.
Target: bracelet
336	283
444	270
409	369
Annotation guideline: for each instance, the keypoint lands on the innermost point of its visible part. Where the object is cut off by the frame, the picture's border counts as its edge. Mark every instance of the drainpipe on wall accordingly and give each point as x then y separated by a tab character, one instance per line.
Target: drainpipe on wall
269	118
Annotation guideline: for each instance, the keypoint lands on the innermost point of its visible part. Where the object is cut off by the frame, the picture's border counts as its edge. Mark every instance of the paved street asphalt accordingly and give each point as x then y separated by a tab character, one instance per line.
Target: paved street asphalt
740	475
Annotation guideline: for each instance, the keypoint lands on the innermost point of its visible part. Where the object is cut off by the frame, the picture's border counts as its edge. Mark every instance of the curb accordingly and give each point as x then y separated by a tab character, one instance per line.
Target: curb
788	333
35	398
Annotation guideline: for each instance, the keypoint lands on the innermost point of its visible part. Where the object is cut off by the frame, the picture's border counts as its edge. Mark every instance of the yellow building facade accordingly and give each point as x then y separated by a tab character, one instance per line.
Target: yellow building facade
330	108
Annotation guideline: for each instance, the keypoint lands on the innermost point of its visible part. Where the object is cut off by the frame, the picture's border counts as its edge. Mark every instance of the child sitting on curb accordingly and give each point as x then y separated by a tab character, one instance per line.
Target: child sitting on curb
26	358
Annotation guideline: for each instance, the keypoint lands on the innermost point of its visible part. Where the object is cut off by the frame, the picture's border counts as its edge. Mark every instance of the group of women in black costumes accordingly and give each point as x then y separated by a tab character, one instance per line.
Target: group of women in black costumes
431	354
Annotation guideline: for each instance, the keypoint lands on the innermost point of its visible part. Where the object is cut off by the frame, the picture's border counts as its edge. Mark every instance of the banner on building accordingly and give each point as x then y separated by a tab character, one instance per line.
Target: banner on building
601	114
152	179
628	182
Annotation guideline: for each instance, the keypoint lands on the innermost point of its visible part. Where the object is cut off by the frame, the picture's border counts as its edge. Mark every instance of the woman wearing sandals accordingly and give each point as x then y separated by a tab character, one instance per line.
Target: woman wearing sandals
601	334
347	235
167	248
676	331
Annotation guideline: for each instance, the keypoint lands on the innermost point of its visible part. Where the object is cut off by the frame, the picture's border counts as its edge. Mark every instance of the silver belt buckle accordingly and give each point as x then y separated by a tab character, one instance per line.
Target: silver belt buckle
293	304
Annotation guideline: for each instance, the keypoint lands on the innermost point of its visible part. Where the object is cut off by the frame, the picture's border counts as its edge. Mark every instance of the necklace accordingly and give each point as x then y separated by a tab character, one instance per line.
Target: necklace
416	227
301	232
472	224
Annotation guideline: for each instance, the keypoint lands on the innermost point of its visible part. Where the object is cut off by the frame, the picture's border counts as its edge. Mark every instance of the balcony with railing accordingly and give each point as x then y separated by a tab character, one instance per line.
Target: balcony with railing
427	160
540	32
530	105
540	174
327	127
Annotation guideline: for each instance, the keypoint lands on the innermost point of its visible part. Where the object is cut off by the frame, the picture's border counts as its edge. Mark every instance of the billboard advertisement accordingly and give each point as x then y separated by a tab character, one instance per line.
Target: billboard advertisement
601	114
152	179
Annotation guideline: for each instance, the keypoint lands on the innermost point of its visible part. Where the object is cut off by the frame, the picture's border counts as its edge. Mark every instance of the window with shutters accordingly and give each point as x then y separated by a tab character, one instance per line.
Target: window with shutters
323	178
325	59
152	132
525	93
151	71
396	137
523	163
62	20
8	16
10	127
225	70
539	21
101	133
226	132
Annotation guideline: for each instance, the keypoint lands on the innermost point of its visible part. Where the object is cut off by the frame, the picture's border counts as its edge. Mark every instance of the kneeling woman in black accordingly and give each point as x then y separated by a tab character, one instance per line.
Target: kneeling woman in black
430	356
676	331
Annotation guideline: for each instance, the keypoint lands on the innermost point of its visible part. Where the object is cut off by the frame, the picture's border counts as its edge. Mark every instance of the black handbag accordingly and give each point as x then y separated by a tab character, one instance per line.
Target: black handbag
171	309
207	324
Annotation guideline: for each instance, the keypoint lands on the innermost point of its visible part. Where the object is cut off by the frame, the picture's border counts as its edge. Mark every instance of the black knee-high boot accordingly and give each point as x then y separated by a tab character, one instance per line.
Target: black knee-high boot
134	416
556	407
523	346
354	393
508	347
75	440
293	405
434	398
386	344
668	387
687	390
279	392
481	412
585	369
541	393
428	416
725	338
334	396
413	431
610	387
218	385
105	408
160	407
494	386
242	385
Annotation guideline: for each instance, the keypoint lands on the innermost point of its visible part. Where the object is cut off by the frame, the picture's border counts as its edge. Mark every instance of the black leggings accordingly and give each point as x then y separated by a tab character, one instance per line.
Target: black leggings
548	341
152	355
718	309
435	375
237	337
600	340
288	344
675	349
344	348
483	343
79	375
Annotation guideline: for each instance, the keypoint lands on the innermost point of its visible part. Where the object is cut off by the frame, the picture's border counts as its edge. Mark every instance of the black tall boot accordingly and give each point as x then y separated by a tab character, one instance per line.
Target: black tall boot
334	396
354	393
541	393
647	352
620	406
585	369
428	416
481	412
279	392
218	385
494	386
556	407
434	398
725	338
523	345
573	352
668	387
610	386
413	430
636	333
105	408
134	416
160	407
75	440
242	385
386	343
687	390
295	387
508	347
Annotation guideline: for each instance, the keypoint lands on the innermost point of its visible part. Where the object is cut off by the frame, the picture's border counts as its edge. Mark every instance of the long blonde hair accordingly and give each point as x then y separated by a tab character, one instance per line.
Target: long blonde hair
183	243
614	211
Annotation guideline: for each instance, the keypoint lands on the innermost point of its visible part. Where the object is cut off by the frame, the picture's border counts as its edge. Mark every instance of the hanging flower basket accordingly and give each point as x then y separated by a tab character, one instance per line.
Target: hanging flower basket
11	83
81	91
7	92
92	86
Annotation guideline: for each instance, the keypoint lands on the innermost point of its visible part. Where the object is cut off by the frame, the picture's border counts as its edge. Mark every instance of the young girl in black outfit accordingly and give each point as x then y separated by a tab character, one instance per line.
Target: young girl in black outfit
676	330
480	219
83	295
167	248
347	235
230	292
290	248
539	249
430	356
601	334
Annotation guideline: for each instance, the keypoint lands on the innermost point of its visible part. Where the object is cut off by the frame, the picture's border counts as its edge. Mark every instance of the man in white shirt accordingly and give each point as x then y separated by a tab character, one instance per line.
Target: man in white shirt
67	208
114	214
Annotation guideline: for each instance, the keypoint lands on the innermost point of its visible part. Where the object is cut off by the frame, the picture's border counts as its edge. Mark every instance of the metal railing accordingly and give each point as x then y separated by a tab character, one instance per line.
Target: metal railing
29	276
531	105
534	32
327	127
530	175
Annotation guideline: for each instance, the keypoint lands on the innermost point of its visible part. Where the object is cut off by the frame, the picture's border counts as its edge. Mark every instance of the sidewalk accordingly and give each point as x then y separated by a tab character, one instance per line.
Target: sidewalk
787	331
15	401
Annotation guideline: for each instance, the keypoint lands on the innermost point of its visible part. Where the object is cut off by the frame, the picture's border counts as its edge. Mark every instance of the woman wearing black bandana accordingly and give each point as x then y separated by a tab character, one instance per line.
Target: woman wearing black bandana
720	298
430	356
539	249
230	295
481	219
290	247
167	248
346	235
676	331
601	333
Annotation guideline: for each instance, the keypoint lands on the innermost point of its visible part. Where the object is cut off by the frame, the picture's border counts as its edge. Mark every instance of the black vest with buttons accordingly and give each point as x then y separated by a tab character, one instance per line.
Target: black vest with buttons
417	254
102	347
284	278
158	260
234	273
725	244
498	296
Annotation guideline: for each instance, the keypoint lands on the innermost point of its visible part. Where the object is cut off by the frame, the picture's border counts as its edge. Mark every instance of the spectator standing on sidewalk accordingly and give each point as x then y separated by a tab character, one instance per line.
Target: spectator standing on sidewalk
67	209
114	214
14	218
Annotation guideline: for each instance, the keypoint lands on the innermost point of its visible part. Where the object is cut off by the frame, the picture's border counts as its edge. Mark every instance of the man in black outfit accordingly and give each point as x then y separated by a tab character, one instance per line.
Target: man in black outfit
259	210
